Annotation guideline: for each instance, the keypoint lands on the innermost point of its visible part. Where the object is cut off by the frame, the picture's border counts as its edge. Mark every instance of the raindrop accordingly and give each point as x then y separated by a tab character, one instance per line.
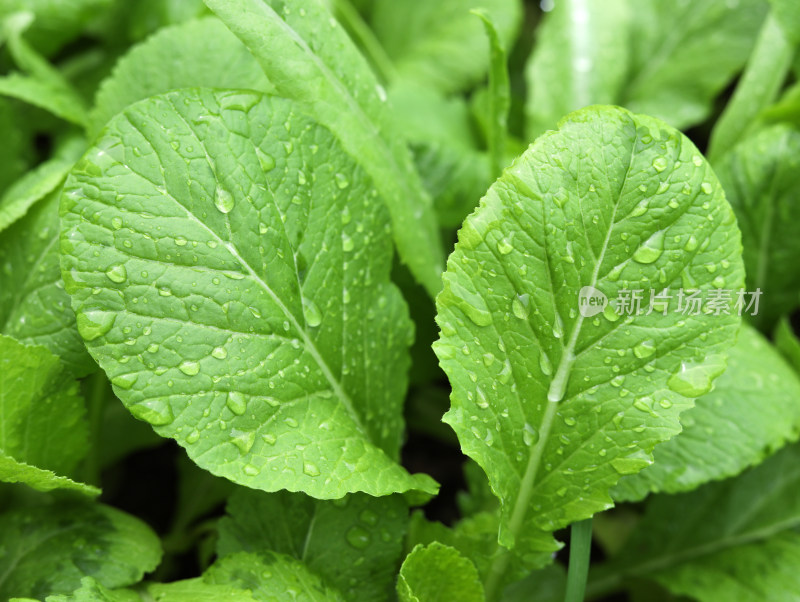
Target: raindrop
358	537
660	164
644	349
651	249
117	273
250	470
243	440
311	313
544	364
519	306
93	324
223	200
529	435
155	411
220	353
189	367
237	403
310	469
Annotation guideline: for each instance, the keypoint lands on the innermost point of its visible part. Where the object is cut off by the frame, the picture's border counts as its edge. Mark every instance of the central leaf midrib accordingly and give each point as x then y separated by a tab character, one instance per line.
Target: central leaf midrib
308	342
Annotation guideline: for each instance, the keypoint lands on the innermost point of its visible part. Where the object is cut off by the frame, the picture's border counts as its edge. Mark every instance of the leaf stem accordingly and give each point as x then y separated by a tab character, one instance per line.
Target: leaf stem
97	390
375	53
580	546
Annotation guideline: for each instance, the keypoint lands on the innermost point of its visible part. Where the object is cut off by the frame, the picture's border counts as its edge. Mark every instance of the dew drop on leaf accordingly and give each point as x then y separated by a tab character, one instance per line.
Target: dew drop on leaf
124	381
660	164
223	200
93	324
529	435
251	471
189	367
644	349
310	469
243	440
651	249
311	312
266	160
544	364
220	353
519	306
236	402
155	411
117	273
358	537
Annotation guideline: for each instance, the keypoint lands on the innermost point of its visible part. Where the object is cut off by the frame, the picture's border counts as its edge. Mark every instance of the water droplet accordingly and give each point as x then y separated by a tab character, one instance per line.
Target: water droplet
660	164
116	223
237	402
269	438
193	437
223	200
544	364
311	313
505	374
341	181
651	249
267	161
250	470
529	435
310	469
117	273
691	243
262	228
697	160
631	464
152	348
358	537
368	517
93	324
347	243
558	326
718	282
570	421
124	381
504	247
180	241
220	353
644	349
706	188
694	380
641	208
488	359
519	306
291	422
155	411
189	367
243	440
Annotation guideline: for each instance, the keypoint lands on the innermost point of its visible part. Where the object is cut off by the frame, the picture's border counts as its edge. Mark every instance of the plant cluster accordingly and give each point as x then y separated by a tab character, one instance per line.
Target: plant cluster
363	300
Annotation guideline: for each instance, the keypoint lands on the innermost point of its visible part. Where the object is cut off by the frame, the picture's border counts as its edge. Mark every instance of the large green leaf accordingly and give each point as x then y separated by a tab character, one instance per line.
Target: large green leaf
44	433
753	410
48	549
557	404
733	540
310	59
787	13
34	308
210	56
580	58
271	577
684	53
440	44
760	180
229	269
353	544
438	572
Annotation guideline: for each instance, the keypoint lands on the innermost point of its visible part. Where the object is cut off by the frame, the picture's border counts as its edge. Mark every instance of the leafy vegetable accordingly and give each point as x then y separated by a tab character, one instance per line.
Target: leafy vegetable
552	429
155	314
201	311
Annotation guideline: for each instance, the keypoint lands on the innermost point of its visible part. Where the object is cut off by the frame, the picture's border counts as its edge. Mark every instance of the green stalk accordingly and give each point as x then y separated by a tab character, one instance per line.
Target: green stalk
580	545
97	391
763	76
363	35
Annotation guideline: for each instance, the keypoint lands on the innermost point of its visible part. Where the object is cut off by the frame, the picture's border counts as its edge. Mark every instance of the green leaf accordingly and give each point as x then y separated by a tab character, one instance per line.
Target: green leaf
760	181
310	60
43	86
438	572
684	54
15	150
788	344
270	577
553	404
353	544
499	95
731	540
34	186
788	15
440	44
92	591
752	411
580	59
44	430
199	590
34	308
758	87
48	549
211	56
228	309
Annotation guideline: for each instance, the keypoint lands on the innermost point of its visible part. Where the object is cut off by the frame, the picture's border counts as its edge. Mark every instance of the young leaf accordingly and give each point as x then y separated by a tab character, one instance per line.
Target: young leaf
34	308
310	60
737	539
438	572
211	56
440	44
271	576
353	544
581	58
752	411
44	432
764	75
556	405
499	95
48	549
229	269
684	53
35	185
760	180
